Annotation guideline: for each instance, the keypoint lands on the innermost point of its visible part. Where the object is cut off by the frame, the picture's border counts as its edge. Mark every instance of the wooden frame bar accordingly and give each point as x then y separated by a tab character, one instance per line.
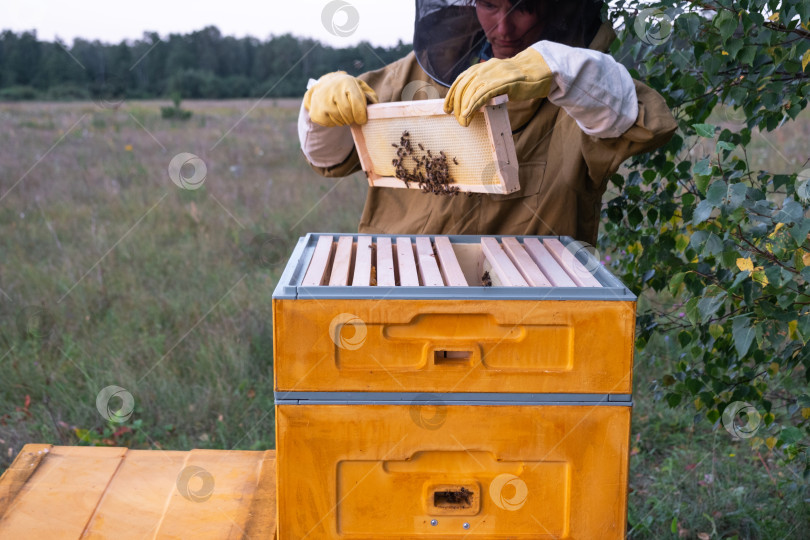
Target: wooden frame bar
567	259
408	275
362	262
316	273
385	263
508	274
451	270
339	276
547	263
524	263
431	276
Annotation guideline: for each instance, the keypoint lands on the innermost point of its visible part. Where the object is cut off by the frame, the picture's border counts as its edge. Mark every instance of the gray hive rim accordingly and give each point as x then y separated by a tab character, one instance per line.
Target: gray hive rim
291	284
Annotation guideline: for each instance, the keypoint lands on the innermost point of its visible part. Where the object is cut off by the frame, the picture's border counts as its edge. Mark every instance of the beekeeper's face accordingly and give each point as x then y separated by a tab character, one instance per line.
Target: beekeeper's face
509	29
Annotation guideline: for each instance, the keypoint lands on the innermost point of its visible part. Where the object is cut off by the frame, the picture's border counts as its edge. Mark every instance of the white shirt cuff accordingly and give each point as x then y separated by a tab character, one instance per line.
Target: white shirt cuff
592	87
323	146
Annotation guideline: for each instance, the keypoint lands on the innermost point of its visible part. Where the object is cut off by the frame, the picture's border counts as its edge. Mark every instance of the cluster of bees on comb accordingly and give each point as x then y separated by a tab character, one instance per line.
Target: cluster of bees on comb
431	172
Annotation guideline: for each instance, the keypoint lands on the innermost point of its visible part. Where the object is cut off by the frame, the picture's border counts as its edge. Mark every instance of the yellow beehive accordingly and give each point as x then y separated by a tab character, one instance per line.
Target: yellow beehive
451	387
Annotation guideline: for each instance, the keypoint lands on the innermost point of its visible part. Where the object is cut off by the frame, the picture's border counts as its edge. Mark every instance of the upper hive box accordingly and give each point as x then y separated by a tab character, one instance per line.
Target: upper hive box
450	314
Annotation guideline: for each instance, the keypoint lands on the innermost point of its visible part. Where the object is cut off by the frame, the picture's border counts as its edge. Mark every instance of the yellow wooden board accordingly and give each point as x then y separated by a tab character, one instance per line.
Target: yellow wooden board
97	492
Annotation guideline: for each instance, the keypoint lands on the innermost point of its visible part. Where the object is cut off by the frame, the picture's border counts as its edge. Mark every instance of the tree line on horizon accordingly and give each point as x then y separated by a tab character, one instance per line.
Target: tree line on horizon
200	65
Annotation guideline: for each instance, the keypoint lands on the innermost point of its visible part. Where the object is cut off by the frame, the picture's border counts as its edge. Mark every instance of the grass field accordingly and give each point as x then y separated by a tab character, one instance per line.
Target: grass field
110	274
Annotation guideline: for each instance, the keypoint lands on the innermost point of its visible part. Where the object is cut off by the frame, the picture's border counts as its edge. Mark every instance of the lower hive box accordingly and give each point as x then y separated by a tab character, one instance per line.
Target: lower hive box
434	469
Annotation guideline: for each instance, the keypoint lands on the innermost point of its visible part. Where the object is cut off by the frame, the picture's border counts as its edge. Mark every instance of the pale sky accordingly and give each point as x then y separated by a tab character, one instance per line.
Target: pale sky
334	22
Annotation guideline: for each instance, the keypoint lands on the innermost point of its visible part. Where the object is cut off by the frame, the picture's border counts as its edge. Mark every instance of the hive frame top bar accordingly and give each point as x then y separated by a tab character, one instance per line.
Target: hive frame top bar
290	283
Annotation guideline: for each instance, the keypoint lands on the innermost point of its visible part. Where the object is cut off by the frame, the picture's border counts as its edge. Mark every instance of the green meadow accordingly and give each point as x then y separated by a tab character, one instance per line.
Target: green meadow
112	275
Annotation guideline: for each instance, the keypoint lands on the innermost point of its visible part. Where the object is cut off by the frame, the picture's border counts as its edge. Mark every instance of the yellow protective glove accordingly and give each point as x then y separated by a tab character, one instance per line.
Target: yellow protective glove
338	99
524	76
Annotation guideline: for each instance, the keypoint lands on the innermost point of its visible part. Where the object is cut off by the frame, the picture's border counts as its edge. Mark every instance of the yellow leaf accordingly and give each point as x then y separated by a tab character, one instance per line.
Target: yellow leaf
806	413
760	277
806	259
805	59
724	53
770	442
774	17
745	265
773	369
792	326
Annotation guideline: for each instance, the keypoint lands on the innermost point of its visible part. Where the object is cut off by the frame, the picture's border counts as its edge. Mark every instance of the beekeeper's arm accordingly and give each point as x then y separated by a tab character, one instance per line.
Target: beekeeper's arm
330	104
591	86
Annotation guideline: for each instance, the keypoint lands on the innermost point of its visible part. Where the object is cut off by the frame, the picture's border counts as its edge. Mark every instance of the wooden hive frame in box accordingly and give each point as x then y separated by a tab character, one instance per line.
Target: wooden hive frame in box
481	158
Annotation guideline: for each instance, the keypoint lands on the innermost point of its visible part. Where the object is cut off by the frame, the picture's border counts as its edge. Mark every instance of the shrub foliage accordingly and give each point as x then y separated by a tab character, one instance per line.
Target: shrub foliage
721	247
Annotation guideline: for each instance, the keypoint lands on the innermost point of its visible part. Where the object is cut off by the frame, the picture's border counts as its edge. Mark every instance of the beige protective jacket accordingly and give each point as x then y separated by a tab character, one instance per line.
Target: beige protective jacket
563	172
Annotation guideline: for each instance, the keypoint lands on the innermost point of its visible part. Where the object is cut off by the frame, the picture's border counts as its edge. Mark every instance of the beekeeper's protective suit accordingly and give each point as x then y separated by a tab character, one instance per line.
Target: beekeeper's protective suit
576	115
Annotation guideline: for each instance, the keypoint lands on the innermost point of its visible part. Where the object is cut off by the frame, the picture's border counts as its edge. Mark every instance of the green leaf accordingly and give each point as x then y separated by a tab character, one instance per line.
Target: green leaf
790	435
733	47
717	192
726	22
702	212
687	200
705	130
702	168
708	244
800	230
791	212
692	311
694	385
634	217
708	306
681	243
675	282
736	195
743	335
774	275
673	400
684	338
747	55
723	145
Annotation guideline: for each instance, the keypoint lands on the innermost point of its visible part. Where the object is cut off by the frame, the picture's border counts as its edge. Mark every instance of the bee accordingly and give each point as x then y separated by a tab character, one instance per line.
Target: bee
455	161
422	148
395	145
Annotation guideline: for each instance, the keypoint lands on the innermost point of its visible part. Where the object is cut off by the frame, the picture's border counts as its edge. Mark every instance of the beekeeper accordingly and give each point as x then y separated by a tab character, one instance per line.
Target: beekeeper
576	115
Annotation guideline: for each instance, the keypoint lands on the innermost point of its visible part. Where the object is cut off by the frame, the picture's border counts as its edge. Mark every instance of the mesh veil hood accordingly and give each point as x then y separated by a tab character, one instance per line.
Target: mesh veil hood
447	35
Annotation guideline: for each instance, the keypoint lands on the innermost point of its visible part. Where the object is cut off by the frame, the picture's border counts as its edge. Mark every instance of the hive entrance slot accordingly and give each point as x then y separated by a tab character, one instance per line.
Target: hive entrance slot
453	498
451	357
